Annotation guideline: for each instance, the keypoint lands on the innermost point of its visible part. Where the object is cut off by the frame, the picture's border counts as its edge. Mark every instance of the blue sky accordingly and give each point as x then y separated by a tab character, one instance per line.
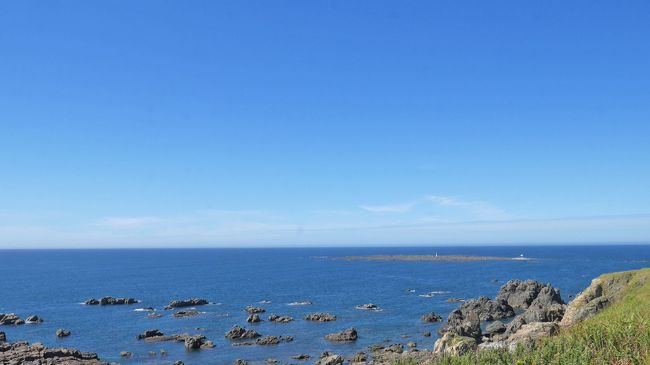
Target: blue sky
242	123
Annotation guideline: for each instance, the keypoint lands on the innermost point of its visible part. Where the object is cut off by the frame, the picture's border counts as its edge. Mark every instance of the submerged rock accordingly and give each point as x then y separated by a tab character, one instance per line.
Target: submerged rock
301	357
273	340
368	307
320	317
349	334
181	314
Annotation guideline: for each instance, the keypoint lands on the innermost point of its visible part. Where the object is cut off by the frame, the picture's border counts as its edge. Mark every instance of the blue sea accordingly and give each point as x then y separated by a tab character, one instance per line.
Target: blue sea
53	283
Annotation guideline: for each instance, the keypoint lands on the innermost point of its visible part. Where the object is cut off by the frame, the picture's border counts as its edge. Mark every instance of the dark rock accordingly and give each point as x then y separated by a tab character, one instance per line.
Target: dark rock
320	317
376	347
488	309
149	334
3	337
253	318
349	334
239	333
62	333
125	354
280	319
187	303
253	310
179	362
10	319
240	362
431	317
426	334
33	319
301	357
110	301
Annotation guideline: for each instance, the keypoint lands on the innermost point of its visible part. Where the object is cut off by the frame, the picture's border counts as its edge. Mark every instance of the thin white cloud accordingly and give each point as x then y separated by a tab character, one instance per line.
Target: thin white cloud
392	208
128	222
478	209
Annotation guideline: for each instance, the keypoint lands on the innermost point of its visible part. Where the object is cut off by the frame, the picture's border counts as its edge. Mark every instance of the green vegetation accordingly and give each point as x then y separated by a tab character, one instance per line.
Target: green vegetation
618	335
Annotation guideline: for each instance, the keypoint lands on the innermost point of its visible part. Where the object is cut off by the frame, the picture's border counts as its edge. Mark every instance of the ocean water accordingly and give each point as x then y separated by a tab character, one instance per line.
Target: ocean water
53	283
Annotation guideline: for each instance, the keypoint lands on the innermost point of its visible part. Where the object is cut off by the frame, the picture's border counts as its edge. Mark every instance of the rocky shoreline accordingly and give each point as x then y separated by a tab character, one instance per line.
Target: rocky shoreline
521	313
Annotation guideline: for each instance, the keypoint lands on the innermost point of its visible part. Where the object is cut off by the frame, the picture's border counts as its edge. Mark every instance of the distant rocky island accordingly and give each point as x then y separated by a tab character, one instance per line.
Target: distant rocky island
441	258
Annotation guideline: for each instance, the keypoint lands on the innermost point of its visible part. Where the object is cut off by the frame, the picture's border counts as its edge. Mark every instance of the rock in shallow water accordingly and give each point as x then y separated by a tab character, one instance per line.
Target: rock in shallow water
62	333
187	303
320	317
10	319
280	319
238	333
431	317
349	334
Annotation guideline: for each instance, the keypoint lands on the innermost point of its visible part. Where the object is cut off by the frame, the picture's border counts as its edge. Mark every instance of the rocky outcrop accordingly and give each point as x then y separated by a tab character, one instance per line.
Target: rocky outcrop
530	333
197	342
521	294
187	303
320	317
488	309
347	335
599	295
24	353
328	358
462	324
280	319
110	301
10	319
495	327
62	333
431	317
453	344
253	318
240	333
254	310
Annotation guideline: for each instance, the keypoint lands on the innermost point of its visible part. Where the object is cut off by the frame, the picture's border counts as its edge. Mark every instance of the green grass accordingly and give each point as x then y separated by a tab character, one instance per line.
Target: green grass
618	335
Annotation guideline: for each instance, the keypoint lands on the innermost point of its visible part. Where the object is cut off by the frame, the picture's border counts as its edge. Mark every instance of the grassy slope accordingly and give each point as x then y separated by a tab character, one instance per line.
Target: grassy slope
620	335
